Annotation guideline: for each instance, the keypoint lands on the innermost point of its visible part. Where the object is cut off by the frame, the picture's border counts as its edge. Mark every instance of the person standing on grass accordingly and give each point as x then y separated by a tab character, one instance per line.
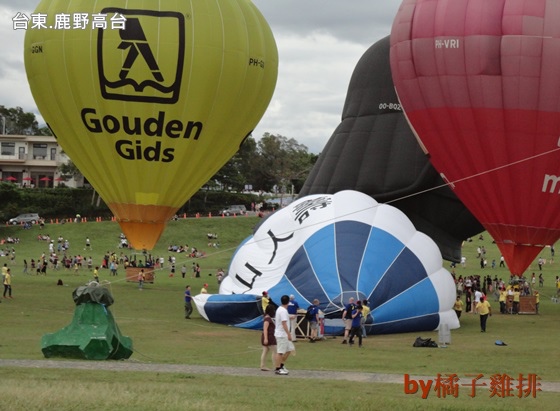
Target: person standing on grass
347	318
141	278
484	309
8	284
314	321
356	329
293	308
188	302
458	306
365	312
268	340
284	345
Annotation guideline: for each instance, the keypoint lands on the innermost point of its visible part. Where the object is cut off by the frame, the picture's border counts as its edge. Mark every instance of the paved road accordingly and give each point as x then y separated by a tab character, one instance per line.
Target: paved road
245	372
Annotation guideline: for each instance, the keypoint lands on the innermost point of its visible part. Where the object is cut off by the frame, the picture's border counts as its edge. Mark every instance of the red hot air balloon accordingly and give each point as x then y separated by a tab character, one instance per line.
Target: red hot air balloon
479	81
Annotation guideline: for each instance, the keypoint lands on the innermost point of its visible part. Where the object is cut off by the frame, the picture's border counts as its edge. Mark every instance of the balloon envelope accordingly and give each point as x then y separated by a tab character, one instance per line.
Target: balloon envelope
333	247
480	84
150	107
374	151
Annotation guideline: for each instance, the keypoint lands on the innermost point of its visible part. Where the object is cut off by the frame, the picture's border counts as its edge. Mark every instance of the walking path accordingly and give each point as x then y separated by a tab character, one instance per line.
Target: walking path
244	372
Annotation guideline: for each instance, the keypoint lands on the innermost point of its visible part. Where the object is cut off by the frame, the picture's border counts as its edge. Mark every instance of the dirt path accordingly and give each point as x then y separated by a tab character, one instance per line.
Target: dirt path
245	372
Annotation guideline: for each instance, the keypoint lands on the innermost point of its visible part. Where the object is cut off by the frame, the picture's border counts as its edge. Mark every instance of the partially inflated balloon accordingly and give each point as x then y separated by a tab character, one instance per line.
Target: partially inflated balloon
152	105
479	81
333	247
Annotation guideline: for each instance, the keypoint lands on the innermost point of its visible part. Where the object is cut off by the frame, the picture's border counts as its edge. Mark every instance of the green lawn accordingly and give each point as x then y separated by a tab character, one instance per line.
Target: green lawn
154	320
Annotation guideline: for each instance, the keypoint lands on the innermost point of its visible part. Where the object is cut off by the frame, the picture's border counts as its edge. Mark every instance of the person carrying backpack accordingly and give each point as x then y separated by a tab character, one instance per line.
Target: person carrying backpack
312	316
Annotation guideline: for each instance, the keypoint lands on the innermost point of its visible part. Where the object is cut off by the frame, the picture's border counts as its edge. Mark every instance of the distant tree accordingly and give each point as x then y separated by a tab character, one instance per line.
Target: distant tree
69	169
281	163
20	122
45	131
273	163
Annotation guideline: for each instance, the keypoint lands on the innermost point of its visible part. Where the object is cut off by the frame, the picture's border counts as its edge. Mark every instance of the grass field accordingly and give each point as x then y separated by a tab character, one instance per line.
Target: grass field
154	320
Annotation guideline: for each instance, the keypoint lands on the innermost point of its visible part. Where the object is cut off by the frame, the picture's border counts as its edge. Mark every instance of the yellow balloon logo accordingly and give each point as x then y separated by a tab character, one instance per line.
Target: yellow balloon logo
150	98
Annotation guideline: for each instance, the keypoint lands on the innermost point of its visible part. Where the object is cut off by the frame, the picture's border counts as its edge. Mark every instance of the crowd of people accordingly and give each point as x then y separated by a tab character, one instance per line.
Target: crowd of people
477	290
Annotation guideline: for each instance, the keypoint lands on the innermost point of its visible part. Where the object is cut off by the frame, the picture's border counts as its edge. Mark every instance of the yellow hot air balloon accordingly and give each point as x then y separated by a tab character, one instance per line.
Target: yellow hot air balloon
149	98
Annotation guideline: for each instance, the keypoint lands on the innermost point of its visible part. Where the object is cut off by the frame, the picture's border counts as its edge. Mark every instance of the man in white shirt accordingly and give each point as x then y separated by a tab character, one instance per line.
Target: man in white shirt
284	345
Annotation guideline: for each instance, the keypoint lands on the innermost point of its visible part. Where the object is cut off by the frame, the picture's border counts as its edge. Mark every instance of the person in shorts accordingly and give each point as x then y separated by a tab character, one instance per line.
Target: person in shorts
284	344
347	318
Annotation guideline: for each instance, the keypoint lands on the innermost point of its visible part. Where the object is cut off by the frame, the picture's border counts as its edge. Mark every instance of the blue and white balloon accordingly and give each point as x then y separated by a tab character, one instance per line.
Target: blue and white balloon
333	247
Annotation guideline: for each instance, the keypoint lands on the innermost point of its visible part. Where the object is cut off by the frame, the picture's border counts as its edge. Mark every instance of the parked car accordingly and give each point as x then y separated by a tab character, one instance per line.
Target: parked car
233	209
32	218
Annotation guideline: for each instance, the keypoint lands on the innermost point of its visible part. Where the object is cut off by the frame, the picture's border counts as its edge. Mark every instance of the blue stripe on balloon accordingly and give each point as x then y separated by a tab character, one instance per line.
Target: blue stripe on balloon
381	252
232	309
285	287
419	300
254	324
405	272
314	281
408	325
427	322
321	254
302	277
351	239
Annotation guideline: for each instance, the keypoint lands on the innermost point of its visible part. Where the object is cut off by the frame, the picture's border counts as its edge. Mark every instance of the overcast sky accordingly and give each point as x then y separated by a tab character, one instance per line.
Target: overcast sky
319	43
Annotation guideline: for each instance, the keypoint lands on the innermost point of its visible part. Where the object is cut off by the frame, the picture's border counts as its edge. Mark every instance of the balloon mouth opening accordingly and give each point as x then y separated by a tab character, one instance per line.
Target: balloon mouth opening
142	225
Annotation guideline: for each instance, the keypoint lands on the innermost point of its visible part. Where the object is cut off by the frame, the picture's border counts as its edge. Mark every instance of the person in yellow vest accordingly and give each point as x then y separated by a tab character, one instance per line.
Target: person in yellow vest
484	309
502	300
8	284
537	300
365	313
458	306
264	300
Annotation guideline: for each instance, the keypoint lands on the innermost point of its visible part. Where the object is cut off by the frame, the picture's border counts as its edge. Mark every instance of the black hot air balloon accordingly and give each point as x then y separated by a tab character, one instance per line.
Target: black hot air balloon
374	151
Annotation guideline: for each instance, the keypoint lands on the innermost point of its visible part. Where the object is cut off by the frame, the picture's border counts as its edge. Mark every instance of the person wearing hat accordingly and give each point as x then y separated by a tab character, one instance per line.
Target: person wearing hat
265	300
204	289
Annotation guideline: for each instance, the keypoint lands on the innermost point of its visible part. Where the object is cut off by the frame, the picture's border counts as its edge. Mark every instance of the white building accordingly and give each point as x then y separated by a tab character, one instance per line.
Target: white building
33	161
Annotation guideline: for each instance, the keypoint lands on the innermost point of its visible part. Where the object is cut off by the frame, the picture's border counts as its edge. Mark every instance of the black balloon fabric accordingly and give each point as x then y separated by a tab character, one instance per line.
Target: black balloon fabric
374	151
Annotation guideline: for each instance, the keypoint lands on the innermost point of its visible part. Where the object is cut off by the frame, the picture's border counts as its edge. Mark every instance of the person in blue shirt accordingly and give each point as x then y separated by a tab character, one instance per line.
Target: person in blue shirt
188	302
293	308
314	321
356	329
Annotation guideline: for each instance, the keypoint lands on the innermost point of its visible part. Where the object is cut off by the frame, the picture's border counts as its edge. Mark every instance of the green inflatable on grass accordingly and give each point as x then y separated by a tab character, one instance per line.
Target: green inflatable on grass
93	333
